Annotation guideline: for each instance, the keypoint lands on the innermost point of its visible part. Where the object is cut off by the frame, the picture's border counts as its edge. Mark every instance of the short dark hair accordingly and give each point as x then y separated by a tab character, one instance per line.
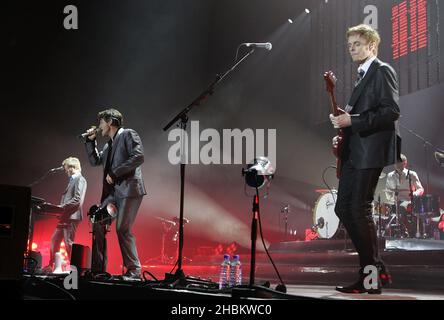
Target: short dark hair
111	114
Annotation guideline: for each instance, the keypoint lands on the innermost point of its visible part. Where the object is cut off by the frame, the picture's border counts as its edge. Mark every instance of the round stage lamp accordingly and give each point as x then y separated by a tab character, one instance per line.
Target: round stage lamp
439	156
102	214
258	172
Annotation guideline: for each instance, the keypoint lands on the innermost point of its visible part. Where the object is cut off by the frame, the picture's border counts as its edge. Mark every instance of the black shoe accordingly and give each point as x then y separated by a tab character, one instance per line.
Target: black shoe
358	288
132	275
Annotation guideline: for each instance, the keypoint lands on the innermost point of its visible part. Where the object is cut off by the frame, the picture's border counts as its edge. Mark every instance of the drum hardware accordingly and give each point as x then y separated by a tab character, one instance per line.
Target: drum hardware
325	220
166	228
285	211
320	224
425	207
170	232
380	234
407	218
395	221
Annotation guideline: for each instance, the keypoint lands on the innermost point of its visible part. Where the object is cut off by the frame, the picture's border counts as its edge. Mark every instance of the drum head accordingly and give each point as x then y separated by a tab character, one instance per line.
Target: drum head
325	219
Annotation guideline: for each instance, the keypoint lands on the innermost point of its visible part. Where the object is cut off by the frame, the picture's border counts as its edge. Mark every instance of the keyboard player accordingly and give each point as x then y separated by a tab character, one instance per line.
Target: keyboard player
70	209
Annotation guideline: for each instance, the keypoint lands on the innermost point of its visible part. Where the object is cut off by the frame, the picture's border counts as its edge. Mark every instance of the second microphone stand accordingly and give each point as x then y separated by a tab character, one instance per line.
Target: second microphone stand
182	118
426	145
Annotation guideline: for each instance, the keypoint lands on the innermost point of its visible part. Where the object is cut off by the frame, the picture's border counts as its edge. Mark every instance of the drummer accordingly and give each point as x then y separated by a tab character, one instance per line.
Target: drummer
398	185
400	180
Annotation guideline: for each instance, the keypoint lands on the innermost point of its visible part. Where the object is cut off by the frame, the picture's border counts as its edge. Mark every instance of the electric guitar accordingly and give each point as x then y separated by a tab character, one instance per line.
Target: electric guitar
330	81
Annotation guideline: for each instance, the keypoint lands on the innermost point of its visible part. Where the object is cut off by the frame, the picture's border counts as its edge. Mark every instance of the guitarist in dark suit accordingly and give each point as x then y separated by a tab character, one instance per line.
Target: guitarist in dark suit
370	142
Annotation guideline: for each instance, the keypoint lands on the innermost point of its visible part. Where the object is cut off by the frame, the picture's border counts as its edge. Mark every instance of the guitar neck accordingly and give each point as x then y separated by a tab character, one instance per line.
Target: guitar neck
334	105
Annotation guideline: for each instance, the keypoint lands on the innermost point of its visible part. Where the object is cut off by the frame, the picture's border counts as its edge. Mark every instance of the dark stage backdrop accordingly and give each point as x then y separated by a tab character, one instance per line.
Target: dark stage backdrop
150	59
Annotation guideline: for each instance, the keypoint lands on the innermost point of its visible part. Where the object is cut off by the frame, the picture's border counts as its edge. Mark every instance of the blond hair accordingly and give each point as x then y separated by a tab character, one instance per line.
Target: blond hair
72	162
366	32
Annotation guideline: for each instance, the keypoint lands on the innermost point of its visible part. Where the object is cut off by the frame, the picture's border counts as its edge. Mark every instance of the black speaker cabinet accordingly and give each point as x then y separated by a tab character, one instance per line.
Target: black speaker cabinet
81	257
15	205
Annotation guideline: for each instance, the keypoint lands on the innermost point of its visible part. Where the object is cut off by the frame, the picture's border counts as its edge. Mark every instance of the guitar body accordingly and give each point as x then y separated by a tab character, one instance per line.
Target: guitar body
337	152
330	81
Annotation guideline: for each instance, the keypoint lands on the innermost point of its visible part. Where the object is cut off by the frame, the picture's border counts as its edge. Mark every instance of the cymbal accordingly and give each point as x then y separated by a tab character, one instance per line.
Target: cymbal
166	220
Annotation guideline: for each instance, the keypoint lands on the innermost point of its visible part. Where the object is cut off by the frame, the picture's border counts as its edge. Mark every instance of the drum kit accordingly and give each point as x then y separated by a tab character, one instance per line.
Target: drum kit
394	217
399	219
406	219
325	220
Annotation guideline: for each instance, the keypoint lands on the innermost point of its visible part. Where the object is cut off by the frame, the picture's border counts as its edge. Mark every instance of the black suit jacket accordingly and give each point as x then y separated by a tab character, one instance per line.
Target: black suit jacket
126	159
72	198
373	140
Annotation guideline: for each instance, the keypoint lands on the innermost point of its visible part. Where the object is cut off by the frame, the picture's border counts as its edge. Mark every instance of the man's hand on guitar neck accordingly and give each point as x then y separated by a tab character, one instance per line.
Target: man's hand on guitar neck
341	121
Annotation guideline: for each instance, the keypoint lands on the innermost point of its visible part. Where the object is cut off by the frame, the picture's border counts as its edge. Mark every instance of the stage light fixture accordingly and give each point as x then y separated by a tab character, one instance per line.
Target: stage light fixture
258	172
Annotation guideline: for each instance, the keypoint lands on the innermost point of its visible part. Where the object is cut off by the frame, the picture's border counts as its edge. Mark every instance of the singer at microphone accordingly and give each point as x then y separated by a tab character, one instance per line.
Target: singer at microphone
267	46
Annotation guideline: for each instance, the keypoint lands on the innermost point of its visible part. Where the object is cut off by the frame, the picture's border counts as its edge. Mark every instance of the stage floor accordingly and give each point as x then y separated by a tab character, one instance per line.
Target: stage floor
310	270
328	292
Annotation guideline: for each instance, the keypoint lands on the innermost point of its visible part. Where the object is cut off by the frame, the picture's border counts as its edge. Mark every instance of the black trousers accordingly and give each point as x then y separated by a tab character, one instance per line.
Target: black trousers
65	231
354	209
126	215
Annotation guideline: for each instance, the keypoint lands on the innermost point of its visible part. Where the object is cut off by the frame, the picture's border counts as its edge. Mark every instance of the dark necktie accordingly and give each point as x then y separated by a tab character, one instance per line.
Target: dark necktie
107	189
361	74
108	157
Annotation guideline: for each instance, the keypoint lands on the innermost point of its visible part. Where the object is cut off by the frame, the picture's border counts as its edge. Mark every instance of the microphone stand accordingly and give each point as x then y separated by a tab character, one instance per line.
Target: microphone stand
182	118
252	290
42	177
426	145
31	214
285	211
411	202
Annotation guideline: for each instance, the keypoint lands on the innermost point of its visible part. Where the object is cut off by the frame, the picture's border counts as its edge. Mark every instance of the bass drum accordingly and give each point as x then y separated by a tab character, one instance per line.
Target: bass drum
325	220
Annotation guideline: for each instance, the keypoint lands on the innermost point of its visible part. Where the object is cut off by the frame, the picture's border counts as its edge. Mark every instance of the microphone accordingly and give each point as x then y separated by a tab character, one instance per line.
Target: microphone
57	169
87	134
266	46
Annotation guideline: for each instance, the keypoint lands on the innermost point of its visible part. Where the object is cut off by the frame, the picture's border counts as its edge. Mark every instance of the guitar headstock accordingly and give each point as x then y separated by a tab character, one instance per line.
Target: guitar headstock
330	80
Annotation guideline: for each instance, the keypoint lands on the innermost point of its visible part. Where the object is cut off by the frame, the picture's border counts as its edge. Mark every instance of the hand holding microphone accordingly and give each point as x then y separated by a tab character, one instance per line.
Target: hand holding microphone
90	133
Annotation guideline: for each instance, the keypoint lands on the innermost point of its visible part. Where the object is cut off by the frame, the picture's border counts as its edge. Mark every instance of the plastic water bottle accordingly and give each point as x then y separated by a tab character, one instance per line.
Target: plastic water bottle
224	277
235	271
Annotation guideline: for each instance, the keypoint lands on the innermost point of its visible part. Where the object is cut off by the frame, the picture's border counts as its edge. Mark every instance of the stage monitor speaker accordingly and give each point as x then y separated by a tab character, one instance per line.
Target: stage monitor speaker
81	257
15	203
33	262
